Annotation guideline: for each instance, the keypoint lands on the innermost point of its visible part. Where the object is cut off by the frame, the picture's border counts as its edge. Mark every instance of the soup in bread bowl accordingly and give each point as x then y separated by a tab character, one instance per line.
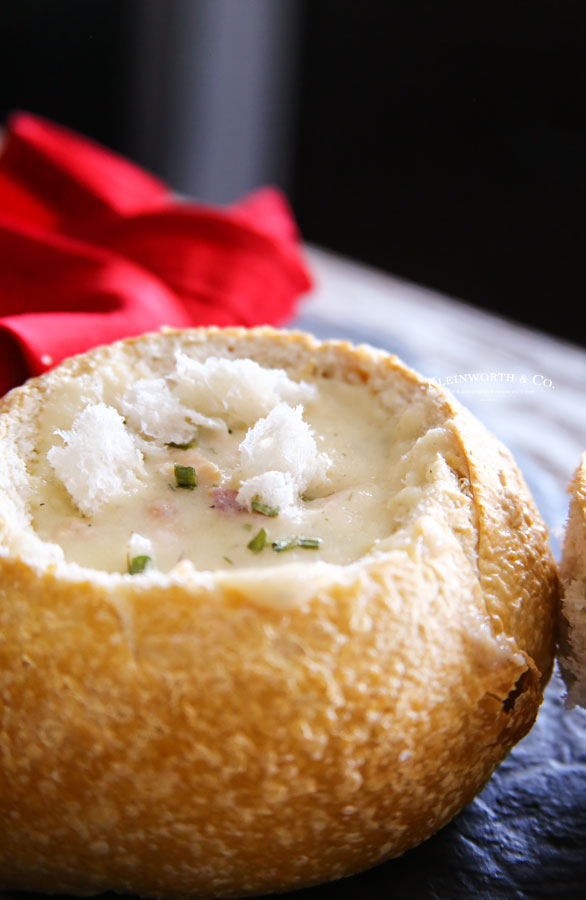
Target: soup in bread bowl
271	610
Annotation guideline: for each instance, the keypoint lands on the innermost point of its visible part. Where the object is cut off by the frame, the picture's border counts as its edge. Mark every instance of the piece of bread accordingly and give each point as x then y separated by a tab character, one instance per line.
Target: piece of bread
572	654
297	717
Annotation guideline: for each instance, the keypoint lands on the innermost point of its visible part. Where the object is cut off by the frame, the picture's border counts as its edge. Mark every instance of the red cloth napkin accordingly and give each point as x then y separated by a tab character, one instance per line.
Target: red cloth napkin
92	248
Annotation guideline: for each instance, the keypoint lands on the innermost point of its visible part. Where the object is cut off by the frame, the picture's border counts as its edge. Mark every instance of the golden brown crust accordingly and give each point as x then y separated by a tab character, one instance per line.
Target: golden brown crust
572	622
184	740
510	529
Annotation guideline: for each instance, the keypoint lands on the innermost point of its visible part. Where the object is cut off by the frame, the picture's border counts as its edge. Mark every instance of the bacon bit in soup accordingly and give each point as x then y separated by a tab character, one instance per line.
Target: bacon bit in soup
225	499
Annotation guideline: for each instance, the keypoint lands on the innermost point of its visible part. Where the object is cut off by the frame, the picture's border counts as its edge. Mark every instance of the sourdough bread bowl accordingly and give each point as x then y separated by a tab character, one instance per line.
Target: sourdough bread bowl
192	708
572	654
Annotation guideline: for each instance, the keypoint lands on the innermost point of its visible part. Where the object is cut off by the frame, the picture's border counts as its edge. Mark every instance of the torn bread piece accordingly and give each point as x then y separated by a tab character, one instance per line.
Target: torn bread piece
98	458
279	460
239	389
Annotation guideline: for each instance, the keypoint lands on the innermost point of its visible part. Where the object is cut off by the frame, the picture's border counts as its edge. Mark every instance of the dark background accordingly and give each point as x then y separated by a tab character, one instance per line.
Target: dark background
443	142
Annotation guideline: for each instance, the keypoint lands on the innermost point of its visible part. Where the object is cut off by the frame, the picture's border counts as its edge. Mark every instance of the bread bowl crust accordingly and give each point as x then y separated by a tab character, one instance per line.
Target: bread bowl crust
187	738
572	626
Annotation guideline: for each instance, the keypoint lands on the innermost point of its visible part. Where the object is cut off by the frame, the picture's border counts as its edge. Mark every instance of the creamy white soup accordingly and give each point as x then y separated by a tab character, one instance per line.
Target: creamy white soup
301	481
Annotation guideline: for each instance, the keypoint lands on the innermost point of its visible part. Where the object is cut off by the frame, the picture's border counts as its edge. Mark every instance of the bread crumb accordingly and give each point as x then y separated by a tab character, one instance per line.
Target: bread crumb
99	459
279	459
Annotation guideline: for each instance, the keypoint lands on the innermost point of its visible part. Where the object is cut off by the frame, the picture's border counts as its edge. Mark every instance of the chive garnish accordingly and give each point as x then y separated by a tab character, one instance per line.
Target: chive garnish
185	477
139	564
228	560
285	544
309	543
258	541
175	446
306	543
263	508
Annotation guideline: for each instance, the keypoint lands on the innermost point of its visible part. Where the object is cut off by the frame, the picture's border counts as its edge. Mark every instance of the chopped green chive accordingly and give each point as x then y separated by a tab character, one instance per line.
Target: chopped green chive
258	506
285	544
258	541
247	526
306	543
139	564
187	446
185	477
309	543
228	560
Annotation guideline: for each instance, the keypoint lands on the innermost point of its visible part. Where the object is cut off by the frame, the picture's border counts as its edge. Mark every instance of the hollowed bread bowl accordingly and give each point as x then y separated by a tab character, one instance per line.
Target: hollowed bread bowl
279	717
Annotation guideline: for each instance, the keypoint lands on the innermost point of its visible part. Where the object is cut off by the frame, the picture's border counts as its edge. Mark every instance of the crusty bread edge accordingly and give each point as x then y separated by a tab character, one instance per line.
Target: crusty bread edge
572	630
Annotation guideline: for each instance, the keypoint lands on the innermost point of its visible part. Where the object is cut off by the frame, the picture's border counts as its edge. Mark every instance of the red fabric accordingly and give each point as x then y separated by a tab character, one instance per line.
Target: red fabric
92	249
